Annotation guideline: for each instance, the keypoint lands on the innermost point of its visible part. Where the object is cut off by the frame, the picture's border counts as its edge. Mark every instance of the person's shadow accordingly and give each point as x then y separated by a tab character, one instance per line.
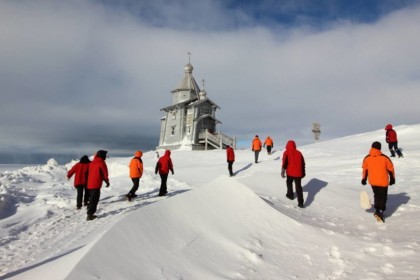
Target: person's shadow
242	169
393	203
313	187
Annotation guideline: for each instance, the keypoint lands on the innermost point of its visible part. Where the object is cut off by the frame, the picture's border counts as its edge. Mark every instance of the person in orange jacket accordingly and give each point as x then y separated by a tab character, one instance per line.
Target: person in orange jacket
256	147
163	166
230	155
136	171
98	173
379	171
81	172
392	140
269	144
293	165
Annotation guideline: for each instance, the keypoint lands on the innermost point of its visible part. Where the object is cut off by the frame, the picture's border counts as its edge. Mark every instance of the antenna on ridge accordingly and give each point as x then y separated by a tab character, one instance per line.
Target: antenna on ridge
203	81
189	57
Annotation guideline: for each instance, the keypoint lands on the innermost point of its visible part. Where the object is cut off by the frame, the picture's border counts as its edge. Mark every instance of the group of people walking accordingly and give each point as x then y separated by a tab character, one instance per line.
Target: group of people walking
378	170
90	175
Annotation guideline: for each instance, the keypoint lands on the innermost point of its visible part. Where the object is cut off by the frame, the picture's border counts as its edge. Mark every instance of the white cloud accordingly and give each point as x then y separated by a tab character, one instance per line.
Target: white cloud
77	67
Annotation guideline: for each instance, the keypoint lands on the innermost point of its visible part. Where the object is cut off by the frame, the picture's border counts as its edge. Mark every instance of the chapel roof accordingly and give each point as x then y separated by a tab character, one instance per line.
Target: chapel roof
188	82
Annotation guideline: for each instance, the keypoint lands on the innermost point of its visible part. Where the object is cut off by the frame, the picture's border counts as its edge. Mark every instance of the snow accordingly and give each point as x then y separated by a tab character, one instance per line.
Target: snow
211	226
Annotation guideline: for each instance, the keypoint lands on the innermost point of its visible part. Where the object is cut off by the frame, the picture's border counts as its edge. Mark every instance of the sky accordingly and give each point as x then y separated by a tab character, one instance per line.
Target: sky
212	226
78	76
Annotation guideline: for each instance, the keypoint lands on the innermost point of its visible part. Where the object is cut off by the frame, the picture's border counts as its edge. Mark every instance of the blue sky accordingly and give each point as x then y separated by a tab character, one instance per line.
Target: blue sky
78	76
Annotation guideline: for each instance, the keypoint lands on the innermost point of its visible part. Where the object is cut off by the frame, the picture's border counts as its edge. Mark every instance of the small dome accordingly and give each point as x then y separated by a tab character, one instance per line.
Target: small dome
188	68
203	94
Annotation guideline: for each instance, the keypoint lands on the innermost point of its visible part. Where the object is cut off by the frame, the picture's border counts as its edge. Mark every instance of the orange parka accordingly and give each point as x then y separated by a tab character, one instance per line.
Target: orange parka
268	141
256	144
377	168
136	165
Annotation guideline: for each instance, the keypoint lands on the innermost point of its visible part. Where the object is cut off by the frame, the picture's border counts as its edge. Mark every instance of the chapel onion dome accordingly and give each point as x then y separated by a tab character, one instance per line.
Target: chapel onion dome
202	95
188	68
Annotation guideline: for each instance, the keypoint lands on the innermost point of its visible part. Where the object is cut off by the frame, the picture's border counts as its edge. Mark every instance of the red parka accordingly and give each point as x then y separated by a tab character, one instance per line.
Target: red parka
230	154
164	164
98	172
293	161
82	171
391	135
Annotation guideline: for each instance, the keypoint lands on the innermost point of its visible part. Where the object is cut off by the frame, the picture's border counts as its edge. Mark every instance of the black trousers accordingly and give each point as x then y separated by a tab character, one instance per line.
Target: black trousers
163	188
269	150
94	196
82	189
393	148
136	182
256	154
230	165
298	186
380	196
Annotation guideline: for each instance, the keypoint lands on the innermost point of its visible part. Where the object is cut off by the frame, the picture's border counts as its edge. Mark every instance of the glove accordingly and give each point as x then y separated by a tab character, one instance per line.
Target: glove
363	182
107	184
283	175
392	181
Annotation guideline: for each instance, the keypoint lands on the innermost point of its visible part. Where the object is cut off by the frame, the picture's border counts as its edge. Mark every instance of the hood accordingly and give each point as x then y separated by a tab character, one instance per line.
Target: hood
388	126
167	153
138	154
101	154
84	159
291	145
374	152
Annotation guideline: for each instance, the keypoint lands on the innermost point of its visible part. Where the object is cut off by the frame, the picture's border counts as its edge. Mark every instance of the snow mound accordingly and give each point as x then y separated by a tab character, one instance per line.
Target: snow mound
223	215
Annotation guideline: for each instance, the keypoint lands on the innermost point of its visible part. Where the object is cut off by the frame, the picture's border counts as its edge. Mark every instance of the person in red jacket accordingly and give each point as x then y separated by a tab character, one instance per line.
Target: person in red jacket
98	173
81	169
163	166
230	155
136	171
293	164
392	140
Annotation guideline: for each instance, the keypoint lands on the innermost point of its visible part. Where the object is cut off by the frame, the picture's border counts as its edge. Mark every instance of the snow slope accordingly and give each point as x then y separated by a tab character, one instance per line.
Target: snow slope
212	226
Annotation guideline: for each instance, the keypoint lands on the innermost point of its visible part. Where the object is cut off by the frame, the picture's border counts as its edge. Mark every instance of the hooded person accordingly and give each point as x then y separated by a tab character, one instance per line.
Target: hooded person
269	144
392	140
378	170
98	173
136	171
293	165
163	166
81	172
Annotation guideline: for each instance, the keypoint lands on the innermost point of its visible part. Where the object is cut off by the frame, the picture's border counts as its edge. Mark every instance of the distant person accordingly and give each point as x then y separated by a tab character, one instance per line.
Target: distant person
98	173
163	166
268	144
392	140
379	171
256	147
230	155
136	171
293	164
81	172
